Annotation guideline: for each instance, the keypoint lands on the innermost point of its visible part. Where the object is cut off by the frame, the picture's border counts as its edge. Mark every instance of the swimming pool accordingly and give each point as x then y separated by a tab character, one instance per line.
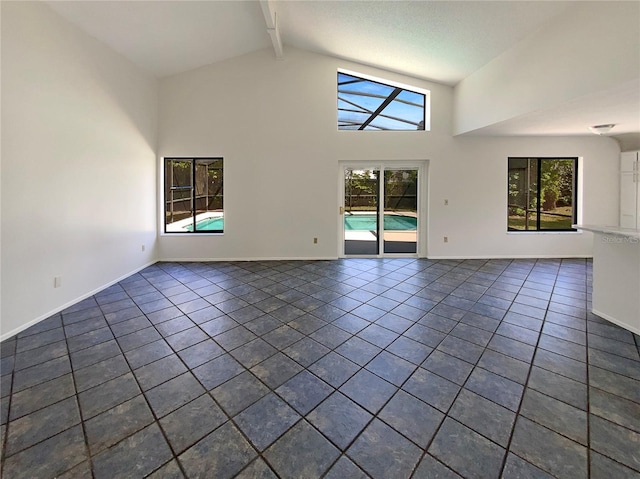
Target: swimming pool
208	224
368	222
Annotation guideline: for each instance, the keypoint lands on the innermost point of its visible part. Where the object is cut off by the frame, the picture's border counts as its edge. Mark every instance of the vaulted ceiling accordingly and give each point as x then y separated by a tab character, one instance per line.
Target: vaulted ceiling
440	41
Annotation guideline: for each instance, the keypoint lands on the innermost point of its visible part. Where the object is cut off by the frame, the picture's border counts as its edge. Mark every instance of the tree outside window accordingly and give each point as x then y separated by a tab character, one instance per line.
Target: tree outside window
541	194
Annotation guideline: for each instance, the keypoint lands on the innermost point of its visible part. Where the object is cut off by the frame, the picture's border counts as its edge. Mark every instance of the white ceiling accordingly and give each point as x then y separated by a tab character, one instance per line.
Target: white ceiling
619	106
169	37
441	41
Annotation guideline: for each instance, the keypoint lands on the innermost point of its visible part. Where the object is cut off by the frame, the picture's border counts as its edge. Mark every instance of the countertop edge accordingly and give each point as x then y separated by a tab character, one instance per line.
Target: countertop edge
614	230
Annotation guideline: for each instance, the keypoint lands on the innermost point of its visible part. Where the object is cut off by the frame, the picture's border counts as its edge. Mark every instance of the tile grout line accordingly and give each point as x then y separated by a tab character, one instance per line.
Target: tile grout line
308	335
398	388
446	414
343	451
76	401
525	388
207	392
303	417
271	391
526	384
156	419
91	456
335	390
461	388
76	396
588	438
5	436
517	412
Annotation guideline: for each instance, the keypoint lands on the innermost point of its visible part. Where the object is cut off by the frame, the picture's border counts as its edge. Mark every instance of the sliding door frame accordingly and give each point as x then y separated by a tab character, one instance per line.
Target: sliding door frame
382	166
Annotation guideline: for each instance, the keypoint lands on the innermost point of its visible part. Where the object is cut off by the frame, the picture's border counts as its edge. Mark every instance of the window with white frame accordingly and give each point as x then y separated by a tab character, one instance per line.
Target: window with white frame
193	195
541	194
368	104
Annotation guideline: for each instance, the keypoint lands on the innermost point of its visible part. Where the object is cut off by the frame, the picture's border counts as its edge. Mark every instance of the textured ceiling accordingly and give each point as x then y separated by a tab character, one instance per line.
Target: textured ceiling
619	105
169	37
441	41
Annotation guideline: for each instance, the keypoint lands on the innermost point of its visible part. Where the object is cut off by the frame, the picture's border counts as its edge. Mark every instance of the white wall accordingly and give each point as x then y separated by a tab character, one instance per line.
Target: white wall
275	125
78	164
274	122
541	71
80	176
472	175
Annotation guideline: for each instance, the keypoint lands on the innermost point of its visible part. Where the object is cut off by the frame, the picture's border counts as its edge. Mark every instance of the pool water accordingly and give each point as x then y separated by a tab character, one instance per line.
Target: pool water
351	223
208	224
369	223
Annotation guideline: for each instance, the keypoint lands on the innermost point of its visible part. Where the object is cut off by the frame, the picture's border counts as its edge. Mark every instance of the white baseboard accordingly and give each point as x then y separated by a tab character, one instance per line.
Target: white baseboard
329	258
617	322
271	258
72	302
511	256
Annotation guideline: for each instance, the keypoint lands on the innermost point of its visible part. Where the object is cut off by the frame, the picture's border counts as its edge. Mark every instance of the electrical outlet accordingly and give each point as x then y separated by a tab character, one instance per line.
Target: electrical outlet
446	202
143	248
446	239
57	281
315	240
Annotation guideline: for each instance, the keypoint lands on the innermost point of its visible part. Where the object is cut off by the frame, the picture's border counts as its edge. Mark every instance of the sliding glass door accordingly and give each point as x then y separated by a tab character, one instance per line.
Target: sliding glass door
361	211
400	227
380	211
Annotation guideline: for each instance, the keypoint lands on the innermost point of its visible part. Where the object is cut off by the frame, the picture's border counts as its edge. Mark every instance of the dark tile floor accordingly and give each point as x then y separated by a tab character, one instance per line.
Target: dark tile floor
390	368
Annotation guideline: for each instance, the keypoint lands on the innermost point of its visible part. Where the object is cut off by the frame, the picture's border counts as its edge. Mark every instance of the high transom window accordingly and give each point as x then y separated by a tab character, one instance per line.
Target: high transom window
366	104
541	194
193	195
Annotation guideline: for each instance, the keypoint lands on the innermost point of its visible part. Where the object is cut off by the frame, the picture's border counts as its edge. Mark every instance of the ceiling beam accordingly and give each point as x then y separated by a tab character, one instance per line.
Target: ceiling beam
271	19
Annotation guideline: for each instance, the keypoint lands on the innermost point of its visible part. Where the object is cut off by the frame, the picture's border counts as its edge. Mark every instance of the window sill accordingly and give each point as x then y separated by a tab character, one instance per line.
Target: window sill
189	235
517	233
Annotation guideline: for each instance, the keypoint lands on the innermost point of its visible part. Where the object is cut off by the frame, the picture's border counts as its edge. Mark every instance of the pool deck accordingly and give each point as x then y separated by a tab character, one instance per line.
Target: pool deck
401	236
409	236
